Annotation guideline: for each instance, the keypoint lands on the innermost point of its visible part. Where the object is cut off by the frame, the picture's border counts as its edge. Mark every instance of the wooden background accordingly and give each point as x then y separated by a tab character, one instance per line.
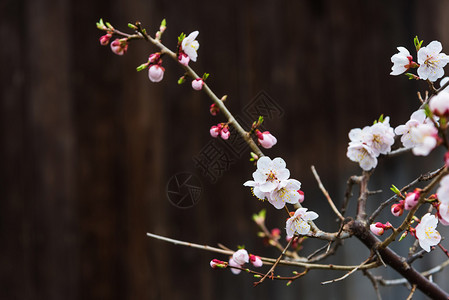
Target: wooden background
88	145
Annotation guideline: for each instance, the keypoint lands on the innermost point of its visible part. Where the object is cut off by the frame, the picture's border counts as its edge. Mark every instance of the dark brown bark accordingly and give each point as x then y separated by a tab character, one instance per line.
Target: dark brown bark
397	262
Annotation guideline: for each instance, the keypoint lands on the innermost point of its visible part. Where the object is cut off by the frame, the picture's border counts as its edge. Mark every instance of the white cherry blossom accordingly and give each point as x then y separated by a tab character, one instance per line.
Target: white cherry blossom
417	118
381	137
299	222
287	192
443	213
361	153
190	45
432	61
443	190
439	104
426	233
268	175
401	61
426	138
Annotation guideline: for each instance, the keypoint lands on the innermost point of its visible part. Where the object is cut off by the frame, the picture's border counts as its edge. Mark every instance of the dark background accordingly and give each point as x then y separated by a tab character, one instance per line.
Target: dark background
88	145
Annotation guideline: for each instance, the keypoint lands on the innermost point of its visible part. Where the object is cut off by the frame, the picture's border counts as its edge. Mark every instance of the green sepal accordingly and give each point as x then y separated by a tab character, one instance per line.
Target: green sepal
132	26
411	76
417	43
395	190
142	67
181	37
181	80
164	23
205	76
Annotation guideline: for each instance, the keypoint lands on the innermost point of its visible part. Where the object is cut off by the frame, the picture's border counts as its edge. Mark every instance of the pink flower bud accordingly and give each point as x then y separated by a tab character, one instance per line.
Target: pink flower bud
266	139
225	133
119	47
217	264
397	209
197	84
156	73
104	39
215	131
377	228
255	260
154	58
184	59
411	199
214	109
301	196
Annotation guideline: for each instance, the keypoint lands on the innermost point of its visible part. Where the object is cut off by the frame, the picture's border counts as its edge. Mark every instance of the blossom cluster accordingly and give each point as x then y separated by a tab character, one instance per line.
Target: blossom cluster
240	257
430	61
368	143
272	183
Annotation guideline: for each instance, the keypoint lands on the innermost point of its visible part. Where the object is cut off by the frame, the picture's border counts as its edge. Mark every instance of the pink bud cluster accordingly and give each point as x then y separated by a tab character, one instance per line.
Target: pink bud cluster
155	70
118	46
221	129
240	257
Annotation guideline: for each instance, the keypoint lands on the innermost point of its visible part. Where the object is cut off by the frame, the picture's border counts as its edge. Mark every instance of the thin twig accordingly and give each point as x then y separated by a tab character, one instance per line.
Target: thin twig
411	292
275	264
348	193
429	272
264	259
326	194
347	274
374	283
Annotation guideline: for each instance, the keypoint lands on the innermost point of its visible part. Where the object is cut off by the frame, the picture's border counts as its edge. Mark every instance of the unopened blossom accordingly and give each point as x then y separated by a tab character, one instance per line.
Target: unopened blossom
255	260
104	39
190	45
402	61
232	263
269	174
301	196
411	199
426	138
287	192
156	73
377	228
213	109
225	133
443	190
215	131
439	104
241	256
266	139
299	222
119	46
362	154
217	264
426	232
183	59
431	61
397	209
197	84
417	118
